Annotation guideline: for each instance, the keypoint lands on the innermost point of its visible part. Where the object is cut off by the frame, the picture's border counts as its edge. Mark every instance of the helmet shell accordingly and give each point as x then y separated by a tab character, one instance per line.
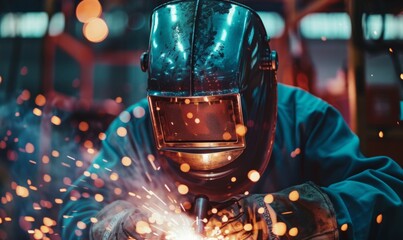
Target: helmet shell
206	48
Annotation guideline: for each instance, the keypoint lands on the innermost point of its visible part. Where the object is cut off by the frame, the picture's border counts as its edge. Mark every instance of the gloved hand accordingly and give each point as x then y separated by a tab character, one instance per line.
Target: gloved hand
124	220
121	220
246	217
299	212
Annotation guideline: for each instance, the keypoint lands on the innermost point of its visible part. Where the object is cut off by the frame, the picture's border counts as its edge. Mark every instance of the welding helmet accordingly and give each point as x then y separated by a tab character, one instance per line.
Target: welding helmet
212	94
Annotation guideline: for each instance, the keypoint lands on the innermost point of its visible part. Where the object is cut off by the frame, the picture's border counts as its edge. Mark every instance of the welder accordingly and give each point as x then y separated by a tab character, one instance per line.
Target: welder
270	161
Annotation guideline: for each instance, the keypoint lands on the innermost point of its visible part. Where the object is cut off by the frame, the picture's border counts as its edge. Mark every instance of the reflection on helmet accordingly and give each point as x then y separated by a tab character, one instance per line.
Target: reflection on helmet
212	94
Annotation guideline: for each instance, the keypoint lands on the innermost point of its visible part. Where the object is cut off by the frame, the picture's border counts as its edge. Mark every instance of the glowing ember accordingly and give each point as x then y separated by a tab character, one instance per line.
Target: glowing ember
279	228
344	227
293	196
248	227
114	176
102	136
233	179
25	95
118	99
126	161
121	131
79	163
295	153
49	222
139	112
268	198
380	134
45	159
241	129
55	120
81	225
183	189
47	178
185	167
22	191
124	116
37	112
260	210
40	100
55	153
293	232
189	115
254	175
83	126
226	136
29	219
143	227
379	218
38	234
93	220
29	148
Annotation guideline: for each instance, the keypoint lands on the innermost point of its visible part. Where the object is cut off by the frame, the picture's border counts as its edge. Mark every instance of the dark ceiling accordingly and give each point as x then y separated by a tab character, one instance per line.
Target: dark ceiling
394	6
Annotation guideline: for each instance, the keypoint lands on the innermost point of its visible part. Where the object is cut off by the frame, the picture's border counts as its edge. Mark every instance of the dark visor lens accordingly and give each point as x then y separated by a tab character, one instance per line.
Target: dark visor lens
197	122
186	121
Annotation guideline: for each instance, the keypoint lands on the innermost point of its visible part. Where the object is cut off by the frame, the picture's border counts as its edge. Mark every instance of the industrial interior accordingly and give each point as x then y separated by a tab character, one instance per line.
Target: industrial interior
69	67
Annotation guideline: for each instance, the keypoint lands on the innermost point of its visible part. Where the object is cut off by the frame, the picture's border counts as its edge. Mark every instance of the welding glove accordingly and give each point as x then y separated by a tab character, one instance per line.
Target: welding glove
121	220
299	212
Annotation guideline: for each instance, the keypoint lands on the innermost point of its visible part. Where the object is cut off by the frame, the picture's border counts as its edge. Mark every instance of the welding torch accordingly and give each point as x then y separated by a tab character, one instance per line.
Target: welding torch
201	204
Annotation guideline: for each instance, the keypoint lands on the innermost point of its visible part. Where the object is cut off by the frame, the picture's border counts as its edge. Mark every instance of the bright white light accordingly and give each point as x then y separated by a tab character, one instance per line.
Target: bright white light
223	35
174	16
273	23
180	47
230	15
33	24
392	27
326	25
217	46
8	27
155	22
30	24
56	24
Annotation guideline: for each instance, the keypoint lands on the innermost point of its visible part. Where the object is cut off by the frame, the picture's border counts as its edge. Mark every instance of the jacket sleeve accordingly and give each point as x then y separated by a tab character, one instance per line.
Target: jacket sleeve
118	171
366	192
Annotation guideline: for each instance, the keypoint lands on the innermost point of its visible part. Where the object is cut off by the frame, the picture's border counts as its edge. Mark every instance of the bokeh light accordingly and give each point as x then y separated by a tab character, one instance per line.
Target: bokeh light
344	227
185	167
379	218
183	189
126	161
95	30
40	100
269	198
293	196
293	232
279	228
88	9
83	126
254	175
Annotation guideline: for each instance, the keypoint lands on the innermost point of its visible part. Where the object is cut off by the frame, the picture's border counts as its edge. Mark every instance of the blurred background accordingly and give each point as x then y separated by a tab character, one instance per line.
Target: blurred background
69	67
